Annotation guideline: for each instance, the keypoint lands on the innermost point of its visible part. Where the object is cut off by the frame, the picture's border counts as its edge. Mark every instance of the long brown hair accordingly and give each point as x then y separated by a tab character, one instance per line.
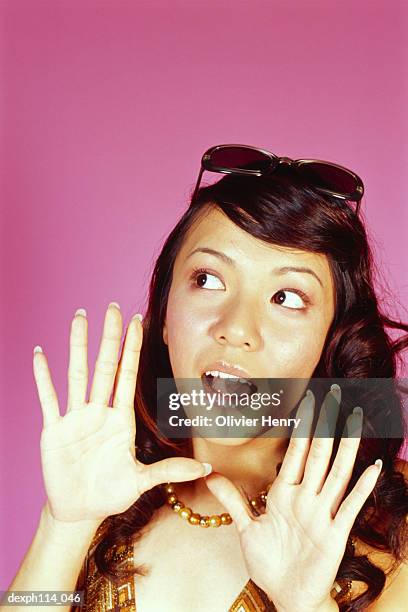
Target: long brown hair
281	209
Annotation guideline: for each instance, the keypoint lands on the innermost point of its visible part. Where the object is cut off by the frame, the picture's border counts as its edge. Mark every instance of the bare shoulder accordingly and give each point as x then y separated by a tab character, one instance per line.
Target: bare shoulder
395	593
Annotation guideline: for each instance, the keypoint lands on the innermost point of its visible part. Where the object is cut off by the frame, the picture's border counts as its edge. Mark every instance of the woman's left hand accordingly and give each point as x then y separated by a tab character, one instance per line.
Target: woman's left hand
293	550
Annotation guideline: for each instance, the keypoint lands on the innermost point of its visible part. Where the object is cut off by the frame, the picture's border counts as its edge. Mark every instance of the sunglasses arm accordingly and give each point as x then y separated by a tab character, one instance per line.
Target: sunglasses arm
197	184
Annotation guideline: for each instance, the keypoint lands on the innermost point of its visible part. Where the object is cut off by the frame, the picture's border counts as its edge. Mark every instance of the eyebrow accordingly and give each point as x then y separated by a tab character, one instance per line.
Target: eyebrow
231	262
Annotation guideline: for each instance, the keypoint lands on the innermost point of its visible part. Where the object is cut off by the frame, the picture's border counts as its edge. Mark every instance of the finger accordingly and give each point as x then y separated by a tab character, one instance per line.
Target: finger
230	497
78	361
107	360
351	506
321	447
45	388
174	469
292	467
125	385
339	476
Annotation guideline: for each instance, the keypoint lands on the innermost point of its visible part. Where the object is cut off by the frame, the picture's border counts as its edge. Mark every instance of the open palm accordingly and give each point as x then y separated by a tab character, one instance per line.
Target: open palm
293	550
88	455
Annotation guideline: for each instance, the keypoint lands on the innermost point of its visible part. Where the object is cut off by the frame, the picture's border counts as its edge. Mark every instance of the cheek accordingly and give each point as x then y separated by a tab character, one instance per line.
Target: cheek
297	354
185	327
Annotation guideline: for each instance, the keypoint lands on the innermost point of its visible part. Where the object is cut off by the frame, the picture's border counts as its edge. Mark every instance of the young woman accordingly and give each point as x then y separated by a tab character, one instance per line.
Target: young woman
268	274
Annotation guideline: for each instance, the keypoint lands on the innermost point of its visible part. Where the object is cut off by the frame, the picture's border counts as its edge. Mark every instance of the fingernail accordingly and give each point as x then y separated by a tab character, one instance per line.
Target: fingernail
359	411
207	468
114	304
379	463
309	398
138	316
336	392
80	311
37	349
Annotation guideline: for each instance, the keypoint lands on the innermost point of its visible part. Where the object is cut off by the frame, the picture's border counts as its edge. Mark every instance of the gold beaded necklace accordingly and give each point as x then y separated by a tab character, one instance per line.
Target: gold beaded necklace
215	520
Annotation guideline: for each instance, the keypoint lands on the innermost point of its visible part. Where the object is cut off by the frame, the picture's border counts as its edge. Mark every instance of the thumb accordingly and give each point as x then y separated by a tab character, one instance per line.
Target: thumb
174	469
230	497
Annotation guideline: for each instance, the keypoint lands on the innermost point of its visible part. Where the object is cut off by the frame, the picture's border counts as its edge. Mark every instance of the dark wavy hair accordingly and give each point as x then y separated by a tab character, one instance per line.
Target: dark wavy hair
282	209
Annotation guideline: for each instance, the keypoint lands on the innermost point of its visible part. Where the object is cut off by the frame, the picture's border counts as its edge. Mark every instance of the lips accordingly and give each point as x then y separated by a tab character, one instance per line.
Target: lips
214	384
224	366
240	385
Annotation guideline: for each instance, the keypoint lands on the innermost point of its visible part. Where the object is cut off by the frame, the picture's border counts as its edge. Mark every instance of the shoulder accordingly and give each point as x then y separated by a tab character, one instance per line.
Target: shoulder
395	593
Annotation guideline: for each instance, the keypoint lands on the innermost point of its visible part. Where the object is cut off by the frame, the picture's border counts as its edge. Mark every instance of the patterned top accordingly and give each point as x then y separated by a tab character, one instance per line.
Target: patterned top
102	595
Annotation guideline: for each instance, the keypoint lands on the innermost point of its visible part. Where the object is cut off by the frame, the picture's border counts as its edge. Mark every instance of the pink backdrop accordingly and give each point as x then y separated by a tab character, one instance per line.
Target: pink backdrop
107	107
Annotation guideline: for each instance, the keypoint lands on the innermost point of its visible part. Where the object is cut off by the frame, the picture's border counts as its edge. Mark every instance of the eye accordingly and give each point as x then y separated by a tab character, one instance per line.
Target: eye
298	300
199	277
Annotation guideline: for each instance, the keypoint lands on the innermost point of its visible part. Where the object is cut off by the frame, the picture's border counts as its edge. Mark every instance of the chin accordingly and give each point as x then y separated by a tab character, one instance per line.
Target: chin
228	441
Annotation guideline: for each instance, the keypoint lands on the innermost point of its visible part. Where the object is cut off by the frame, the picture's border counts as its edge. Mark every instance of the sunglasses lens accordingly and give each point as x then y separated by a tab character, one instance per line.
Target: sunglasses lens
329	177
240	158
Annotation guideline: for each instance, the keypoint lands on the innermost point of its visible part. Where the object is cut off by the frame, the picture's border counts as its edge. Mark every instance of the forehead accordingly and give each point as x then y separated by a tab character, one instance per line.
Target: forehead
215	230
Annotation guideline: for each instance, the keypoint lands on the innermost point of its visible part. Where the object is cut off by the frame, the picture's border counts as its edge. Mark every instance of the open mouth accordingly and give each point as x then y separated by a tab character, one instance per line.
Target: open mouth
240	386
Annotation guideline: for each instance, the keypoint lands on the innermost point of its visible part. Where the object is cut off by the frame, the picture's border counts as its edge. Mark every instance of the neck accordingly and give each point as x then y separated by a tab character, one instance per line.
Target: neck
249	463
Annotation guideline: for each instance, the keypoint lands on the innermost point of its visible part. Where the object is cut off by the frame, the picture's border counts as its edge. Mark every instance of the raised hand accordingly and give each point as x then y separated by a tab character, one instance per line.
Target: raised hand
294	550
88	455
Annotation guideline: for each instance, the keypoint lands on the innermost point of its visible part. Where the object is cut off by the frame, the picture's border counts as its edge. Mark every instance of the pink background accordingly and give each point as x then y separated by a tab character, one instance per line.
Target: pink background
107	107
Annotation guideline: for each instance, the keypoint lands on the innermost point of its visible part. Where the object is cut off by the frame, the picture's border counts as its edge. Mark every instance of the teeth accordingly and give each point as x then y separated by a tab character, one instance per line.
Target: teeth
218	374
222	374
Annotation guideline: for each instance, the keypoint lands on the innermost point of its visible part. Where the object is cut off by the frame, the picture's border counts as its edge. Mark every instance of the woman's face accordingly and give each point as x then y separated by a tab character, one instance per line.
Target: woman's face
256	310
264	308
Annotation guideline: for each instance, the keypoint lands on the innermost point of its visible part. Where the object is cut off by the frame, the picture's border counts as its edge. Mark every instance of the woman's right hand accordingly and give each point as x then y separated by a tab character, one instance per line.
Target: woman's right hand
88	455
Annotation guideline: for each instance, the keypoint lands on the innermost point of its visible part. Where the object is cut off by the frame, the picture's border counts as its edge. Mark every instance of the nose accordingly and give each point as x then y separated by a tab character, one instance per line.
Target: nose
236	327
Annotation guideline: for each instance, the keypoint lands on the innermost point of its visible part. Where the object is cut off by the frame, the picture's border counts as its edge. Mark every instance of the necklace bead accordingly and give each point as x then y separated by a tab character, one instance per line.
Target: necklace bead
215	520
205	521
194	519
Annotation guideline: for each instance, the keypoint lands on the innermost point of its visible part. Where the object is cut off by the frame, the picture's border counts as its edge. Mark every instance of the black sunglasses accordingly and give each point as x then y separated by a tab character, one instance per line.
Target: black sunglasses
322	175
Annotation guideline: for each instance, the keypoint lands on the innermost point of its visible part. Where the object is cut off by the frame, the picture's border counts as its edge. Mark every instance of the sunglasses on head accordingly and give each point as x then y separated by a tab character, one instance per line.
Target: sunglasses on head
324	176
